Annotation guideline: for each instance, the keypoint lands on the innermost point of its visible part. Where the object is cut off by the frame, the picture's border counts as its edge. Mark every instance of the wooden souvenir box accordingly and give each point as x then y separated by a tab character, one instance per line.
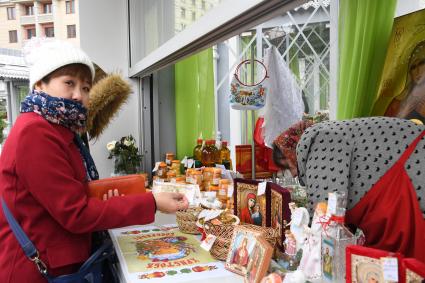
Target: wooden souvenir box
244	162
278	212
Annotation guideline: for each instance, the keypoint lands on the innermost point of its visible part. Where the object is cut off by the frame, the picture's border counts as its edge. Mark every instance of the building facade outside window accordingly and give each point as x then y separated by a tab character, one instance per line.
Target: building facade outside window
29	10
30	33
193	16
13	36
11	13
70	6
47	8
71	31
49	31
183	12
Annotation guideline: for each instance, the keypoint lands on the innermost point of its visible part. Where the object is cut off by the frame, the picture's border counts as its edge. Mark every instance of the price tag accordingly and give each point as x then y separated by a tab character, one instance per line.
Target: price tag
332	201
208	242
261	188
390	268
190	163
156	167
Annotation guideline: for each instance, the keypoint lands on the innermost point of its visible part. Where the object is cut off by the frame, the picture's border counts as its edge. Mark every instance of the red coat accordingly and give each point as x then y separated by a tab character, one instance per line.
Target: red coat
42	180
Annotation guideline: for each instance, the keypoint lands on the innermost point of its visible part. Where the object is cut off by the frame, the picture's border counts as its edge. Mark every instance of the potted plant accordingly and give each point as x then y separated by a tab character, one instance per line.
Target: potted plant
126	155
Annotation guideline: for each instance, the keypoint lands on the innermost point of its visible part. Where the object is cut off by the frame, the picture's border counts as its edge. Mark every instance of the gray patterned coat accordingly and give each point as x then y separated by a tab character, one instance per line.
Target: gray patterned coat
352	155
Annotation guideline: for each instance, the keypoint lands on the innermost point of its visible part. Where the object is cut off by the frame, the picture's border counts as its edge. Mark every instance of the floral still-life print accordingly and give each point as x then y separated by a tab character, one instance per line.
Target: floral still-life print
164	249
56	110
125	155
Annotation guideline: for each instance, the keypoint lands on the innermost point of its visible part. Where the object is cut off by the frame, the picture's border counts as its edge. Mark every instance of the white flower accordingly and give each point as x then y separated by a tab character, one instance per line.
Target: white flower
111	145
128	142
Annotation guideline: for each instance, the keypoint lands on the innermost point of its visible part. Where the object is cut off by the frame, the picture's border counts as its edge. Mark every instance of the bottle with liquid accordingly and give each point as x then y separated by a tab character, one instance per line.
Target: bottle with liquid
209	154
225	156
197	151
335	238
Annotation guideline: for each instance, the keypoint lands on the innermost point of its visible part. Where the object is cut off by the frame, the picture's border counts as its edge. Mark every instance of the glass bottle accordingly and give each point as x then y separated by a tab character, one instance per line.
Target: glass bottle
209	154
197	151
335	238
225	156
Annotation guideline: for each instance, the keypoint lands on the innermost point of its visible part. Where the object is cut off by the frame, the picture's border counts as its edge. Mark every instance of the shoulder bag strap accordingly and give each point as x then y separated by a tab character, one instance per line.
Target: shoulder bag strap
25	243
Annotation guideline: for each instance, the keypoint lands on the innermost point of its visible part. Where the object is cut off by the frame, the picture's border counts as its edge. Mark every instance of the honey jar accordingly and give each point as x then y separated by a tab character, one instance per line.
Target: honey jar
162	170
175	166
216	176
223	189
169	157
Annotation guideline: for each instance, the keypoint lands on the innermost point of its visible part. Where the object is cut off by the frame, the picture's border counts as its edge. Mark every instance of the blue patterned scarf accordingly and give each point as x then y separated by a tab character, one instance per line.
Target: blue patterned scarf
65	112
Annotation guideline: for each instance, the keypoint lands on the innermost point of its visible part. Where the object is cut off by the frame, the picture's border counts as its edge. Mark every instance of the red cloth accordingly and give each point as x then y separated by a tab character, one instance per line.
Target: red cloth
266	153
42	180
389	213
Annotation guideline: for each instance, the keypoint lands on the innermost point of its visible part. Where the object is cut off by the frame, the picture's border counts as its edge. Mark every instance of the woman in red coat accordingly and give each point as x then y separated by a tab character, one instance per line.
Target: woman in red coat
44	172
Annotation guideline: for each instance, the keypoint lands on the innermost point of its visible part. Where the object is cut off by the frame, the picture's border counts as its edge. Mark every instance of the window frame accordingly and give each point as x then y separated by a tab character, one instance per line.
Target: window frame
69	29
49	10
15	34
30	32
229	18
49	27
29	10
70	7
11	13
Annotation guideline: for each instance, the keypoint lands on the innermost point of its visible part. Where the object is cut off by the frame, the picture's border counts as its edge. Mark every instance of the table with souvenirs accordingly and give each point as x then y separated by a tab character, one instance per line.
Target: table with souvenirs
242	230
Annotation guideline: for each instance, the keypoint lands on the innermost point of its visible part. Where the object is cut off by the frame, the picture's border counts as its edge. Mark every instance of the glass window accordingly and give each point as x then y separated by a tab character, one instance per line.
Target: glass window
30	33
193	16
153	22
203	5
71	31
194	2
11	13
47	8
70	6
49	31
13	36
29	10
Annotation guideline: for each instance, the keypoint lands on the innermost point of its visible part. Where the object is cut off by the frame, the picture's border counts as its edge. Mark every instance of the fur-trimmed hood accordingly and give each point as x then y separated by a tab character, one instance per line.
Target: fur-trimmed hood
106	97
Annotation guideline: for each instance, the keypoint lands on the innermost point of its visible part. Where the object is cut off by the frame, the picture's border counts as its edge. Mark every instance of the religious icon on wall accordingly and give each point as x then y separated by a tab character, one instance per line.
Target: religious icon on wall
250	208
402	88
241	247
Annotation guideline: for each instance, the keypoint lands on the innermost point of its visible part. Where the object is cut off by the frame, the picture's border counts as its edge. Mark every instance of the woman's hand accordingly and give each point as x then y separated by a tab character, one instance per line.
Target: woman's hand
111	193
170	202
